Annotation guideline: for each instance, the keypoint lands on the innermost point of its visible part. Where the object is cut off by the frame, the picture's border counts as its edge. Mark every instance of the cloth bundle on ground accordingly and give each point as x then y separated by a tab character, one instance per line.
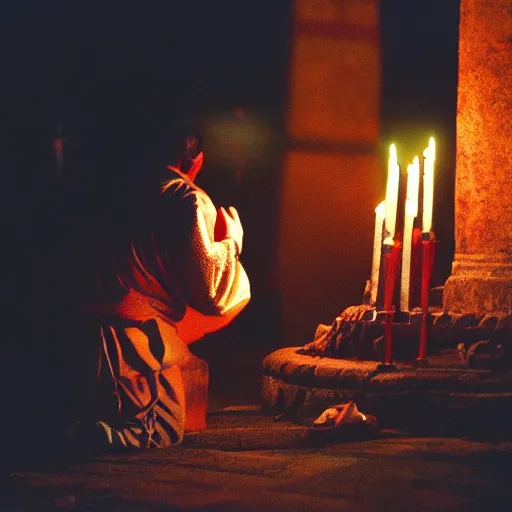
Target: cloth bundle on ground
343	422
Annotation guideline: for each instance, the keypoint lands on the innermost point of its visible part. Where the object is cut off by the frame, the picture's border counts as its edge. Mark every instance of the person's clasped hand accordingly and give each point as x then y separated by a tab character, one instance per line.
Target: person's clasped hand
228	225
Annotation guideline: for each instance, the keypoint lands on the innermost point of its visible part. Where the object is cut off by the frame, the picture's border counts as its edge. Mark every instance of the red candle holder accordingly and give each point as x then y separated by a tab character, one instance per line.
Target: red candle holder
428	244
392	260
415	281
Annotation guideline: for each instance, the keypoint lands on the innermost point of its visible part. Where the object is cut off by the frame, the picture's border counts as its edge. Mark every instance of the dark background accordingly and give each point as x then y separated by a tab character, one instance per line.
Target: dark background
116	75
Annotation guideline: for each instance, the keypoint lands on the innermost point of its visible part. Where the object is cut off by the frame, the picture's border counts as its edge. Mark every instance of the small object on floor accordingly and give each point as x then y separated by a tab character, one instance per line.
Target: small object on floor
344	422
342	414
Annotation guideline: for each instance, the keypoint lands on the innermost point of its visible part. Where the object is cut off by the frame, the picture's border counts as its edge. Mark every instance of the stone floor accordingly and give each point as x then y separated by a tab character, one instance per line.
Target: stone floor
248	462
245	461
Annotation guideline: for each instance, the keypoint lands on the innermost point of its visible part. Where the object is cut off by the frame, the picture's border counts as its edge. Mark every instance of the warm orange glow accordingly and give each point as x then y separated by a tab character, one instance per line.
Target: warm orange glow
195	325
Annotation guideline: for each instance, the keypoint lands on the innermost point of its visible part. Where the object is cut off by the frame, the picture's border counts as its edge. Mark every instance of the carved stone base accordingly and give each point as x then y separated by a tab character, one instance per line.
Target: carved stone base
358	333
479	284
460	400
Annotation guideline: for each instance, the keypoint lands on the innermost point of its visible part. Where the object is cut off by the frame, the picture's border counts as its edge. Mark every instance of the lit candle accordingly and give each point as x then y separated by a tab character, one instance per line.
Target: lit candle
392	191
411	211
428	185
413	185
377	251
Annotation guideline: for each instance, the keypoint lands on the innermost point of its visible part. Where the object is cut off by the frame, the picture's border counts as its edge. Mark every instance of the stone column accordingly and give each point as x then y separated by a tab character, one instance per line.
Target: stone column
481	280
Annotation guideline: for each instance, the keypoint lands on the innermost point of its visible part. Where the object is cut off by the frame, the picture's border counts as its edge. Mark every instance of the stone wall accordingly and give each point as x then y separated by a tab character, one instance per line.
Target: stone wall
332	178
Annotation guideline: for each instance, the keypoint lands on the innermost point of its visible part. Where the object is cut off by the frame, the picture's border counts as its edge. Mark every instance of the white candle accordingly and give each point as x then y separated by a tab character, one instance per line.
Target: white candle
428	185
411	211
392	192
413	185
377	250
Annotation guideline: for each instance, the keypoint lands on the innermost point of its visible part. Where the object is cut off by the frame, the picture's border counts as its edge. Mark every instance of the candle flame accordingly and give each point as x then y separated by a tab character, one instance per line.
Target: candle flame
413	187
392	154
380	210
392	191
428	184
430	151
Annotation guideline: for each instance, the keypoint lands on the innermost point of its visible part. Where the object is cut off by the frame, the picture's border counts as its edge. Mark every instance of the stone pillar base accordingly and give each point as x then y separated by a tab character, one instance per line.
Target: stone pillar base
479	284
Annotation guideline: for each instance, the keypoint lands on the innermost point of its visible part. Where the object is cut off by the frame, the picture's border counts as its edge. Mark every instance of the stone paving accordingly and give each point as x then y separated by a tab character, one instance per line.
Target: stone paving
248	462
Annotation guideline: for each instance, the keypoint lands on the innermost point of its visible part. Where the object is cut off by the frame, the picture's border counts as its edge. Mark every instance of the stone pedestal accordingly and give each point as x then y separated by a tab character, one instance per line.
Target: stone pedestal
433	398
481	279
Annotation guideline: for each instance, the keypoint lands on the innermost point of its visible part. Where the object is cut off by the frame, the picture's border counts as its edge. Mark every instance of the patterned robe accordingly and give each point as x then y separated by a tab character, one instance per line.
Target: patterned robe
172	270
